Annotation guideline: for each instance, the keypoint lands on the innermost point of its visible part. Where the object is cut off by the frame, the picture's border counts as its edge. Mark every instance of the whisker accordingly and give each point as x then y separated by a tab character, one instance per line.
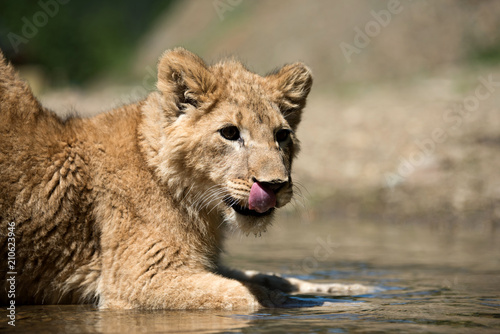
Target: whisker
210	197
215	196
191	188
300	199
299	186
200	198
208	192
300	202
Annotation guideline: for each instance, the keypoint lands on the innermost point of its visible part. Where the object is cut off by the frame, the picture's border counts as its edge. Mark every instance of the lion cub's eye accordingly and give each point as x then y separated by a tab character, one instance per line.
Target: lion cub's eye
230	132
282	135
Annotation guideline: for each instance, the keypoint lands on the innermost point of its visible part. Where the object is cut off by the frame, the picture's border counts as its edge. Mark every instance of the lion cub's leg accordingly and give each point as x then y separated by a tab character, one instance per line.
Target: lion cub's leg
188	290
276	282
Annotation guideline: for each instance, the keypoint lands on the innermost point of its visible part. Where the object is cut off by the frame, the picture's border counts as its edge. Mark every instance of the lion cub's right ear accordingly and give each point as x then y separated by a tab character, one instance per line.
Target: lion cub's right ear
185	78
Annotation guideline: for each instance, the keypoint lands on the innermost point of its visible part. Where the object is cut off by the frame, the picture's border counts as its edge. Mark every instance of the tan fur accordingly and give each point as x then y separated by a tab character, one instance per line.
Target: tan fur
126	208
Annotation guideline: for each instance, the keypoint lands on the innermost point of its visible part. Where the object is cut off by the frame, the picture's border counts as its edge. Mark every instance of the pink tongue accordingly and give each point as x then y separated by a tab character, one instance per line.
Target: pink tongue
261	198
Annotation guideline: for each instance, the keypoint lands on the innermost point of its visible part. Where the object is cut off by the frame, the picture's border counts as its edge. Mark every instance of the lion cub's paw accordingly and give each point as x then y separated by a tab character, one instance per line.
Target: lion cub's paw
266	297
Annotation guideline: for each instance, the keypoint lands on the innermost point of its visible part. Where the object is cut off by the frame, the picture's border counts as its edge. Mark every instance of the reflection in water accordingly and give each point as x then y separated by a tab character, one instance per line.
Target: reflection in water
167	321
431	282
87	319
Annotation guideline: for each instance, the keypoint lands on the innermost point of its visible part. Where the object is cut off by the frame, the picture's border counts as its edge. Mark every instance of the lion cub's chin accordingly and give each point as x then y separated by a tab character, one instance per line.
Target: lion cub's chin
248	224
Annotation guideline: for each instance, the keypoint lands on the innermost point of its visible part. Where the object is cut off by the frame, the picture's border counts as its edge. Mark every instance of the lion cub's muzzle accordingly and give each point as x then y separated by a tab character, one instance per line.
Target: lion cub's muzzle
262	198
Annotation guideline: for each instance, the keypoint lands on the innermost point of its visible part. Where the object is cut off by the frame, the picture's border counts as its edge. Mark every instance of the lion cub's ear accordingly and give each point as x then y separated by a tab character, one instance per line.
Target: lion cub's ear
292	84
185	78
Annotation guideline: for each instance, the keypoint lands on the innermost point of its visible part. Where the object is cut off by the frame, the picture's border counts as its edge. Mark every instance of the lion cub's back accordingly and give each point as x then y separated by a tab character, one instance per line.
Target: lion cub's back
43	178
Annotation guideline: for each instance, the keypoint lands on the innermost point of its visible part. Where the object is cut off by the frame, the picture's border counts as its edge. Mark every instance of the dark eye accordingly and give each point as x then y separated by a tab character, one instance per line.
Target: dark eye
230	132
282	135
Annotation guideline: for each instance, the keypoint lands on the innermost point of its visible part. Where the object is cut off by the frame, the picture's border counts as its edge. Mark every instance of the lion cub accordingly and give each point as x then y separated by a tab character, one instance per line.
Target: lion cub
129	208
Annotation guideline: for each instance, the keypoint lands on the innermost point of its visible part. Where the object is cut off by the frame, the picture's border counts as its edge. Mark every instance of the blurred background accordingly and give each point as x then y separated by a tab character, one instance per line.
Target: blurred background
402	124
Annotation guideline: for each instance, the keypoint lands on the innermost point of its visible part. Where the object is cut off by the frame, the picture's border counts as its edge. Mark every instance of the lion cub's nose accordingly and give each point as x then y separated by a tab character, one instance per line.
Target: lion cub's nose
274	185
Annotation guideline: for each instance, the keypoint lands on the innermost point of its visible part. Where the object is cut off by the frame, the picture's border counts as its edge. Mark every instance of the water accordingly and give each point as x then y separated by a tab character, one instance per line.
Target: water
433	281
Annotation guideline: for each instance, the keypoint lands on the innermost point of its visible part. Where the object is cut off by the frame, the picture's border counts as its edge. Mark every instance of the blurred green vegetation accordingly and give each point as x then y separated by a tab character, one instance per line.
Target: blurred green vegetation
103	34
487	55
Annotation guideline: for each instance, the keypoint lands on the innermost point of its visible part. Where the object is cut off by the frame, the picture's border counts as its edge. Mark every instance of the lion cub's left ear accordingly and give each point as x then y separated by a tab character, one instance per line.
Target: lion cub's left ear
184	78
292	83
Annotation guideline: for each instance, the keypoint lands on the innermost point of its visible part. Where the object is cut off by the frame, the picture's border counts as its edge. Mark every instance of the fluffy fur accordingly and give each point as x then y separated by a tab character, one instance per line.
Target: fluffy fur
129	208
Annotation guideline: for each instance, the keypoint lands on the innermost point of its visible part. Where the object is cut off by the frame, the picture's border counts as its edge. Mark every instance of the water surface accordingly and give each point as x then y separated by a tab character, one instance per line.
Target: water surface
431	280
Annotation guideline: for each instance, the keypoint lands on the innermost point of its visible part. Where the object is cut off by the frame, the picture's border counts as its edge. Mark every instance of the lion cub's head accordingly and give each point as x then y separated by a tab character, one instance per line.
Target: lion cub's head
222	139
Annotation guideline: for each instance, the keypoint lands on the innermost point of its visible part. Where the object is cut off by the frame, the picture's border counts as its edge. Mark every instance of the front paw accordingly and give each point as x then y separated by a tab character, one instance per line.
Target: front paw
268	298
